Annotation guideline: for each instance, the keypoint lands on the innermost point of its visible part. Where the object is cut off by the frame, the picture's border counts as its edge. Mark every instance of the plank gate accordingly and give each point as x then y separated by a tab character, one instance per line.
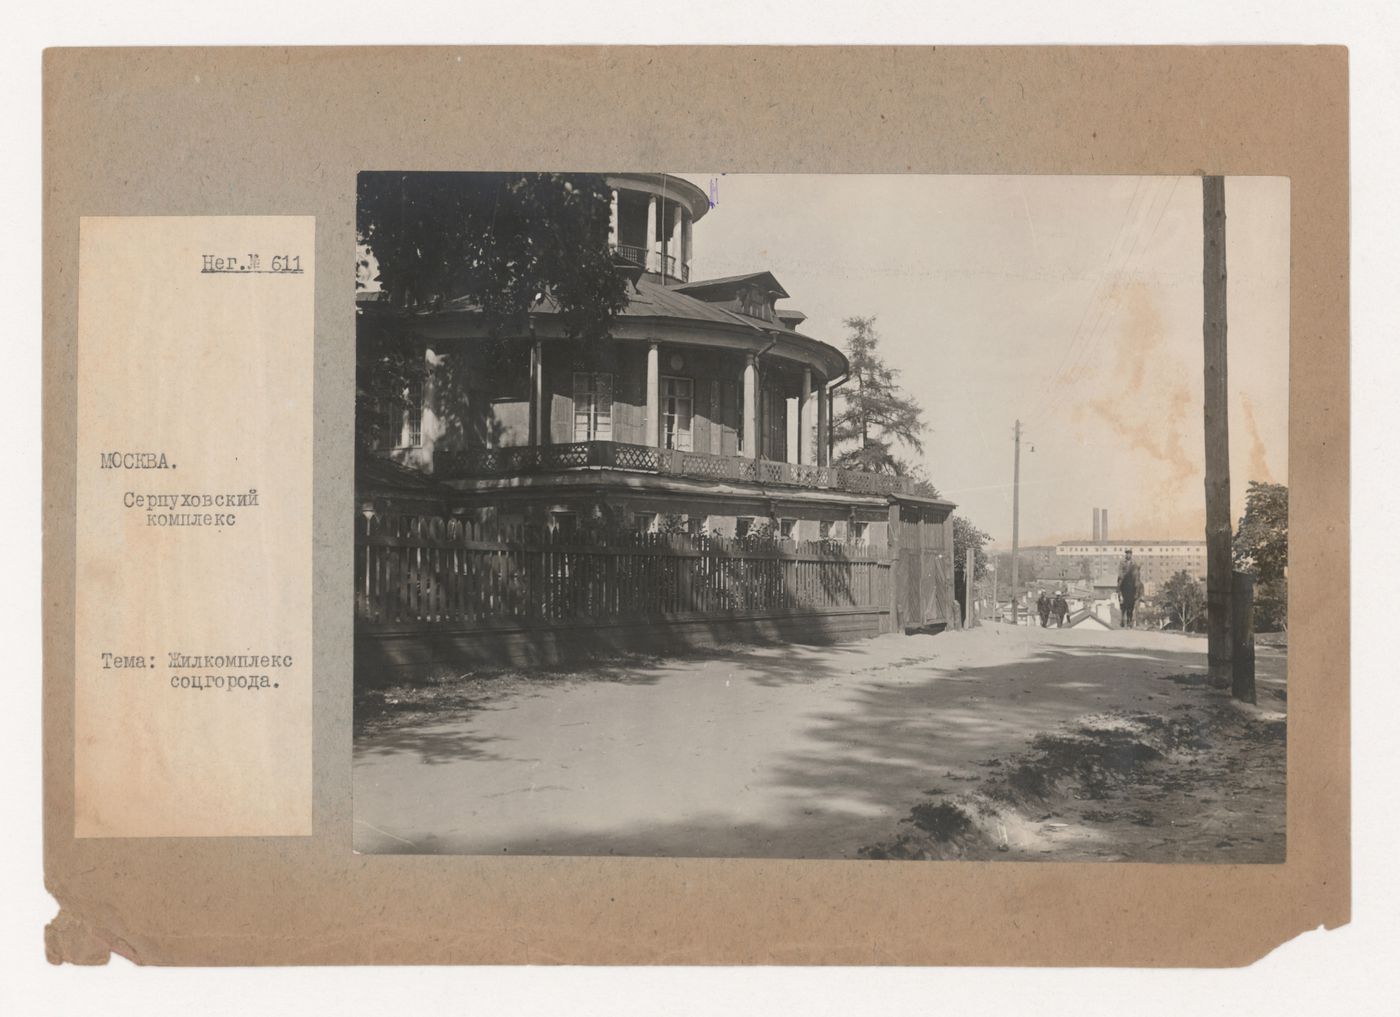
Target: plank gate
924	579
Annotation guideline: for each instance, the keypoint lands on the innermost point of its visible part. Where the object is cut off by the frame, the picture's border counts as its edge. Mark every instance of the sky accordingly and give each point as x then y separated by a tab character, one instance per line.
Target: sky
1071	303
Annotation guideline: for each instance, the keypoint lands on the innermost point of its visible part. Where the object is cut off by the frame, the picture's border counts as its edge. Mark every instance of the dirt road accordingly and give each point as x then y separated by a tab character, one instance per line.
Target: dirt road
902	746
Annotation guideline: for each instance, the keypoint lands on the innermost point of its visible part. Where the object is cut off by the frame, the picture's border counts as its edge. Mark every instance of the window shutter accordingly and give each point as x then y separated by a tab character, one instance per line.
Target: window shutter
604	394
582	402
685	414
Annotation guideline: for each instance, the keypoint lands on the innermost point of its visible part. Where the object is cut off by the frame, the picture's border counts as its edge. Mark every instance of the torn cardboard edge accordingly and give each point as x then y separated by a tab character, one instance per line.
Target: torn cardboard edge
168	124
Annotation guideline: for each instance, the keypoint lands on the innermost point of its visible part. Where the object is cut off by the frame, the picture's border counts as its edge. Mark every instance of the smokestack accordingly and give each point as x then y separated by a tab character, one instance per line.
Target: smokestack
1103	525
1098	530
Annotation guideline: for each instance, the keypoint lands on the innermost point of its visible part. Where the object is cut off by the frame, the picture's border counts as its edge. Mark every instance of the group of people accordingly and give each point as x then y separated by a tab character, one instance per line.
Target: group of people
1055	606
1129	593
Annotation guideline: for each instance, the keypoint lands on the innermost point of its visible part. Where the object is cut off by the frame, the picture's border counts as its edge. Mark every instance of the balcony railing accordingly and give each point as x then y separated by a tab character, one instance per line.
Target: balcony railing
632	253
613	455
640	256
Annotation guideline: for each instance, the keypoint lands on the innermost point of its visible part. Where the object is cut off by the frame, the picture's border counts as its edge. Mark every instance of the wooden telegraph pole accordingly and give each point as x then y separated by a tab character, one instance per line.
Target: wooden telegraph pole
1015	524
969	589
1219	563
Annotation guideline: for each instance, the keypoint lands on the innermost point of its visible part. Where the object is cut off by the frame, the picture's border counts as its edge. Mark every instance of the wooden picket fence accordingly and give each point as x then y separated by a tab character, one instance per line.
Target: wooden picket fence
417	572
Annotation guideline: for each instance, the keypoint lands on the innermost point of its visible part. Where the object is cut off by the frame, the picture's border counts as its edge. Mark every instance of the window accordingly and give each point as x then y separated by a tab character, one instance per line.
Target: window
756	302
743	526
677	411
402	423
645	522
786	527
739	424
504	371
564	524
824	529
857	531
592	406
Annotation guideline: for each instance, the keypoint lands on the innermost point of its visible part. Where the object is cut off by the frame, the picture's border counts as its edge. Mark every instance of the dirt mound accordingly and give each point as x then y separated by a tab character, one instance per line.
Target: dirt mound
944	830
1124	784
943	821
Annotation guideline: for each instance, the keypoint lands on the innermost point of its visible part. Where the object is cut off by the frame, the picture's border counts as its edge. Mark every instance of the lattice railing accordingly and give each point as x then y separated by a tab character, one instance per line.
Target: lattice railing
502	462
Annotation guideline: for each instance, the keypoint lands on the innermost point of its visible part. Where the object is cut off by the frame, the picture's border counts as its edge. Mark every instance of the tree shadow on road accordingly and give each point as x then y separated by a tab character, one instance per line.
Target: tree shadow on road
899	738
867	758
433	744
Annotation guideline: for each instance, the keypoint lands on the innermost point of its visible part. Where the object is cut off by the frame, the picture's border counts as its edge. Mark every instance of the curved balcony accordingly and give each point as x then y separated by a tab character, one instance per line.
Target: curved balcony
484	463
650	261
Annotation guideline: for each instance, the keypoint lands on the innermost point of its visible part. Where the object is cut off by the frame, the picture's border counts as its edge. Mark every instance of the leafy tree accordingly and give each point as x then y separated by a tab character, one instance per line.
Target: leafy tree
1261	547
1183	596
500	242
876	416
966	536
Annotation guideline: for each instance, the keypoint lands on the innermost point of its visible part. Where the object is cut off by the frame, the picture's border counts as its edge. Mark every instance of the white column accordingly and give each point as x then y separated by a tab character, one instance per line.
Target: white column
537	431
823	426
653	435
614	238
750	408
804	421
677	245
686	241
651	233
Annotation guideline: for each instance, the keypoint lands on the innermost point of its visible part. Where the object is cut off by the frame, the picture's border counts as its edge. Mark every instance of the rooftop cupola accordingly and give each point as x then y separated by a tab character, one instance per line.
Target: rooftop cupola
652	218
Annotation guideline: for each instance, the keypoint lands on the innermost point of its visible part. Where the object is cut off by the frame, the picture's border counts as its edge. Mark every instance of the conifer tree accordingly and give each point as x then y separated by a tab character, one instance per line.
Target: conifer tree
876	418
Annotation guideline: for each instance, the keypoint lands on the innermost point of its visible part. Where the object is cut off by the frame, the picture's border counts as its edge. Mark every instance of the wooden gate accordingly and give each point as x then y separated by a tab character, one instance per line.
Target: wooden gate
923	535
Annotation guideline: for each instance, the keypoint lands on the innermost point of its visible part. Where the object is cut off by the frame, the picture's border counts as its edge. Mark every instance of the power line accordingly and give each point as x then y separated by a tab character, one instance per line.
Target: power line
1144	240
1094	296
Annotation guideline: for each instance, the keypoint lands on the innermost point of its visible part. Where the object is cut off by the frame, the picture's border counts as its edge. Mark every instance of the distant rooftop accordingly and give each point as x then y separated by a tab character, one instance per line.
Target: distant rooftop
1132	542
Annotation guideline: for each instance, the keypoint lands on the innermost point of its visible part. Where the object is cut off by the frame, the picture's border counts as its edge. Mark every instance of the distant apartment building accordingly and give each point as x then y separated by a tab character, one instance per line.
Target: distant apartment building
1046	563
1158	560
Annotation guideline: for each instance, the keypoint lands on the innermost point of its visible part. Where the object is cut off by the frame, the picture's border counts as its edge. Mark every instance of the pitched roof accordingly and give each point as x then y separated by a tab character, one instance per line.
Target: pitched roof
647	299
730	283
652	300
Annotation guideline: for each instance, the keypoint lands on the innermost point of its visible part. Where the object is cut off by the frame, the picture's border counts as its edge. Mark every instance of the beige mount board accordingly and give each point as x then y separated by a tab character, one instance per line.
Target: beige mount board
263	132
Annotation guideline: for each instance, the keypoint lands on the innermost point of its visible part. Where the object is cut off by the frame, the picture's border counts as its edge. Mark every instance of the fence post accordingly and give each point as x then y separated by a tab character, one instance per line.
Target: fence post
1242	637
892	550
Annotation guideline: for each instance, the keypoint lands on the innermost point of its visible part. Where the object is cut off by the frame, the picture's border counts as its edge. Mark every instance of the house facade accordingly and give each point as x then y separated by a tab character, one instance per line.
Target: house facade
705	414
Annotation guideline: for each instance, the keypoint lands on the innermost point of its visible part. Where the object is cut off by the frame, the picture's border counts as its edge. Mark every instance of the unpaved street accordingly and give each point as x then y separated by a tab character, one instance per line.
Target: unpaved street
994	743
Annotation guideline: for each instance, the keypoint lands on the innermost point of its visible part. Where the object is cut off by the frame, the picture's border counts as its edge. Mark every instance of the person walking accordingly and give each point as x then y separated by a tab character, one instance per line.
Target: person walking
1042	606
1061	609
1129	587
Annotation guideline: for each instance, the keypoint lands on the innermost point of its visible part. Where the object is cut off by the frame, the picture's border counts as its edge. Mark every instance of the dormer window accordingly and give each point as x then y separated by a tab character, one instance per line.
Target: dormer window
756	303
752	295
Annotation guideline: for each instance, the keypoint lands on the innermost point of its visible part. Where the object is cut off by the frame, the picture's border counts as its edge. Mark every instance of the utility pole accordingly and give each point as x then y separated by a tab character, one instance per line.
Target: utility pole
1016	525
1219	562
970	590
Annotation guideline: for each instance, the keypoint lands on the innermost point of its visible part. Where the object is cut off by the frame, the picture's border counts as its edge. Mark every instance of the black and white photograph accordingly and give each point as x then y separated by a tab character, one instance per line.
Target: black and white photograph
880	517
